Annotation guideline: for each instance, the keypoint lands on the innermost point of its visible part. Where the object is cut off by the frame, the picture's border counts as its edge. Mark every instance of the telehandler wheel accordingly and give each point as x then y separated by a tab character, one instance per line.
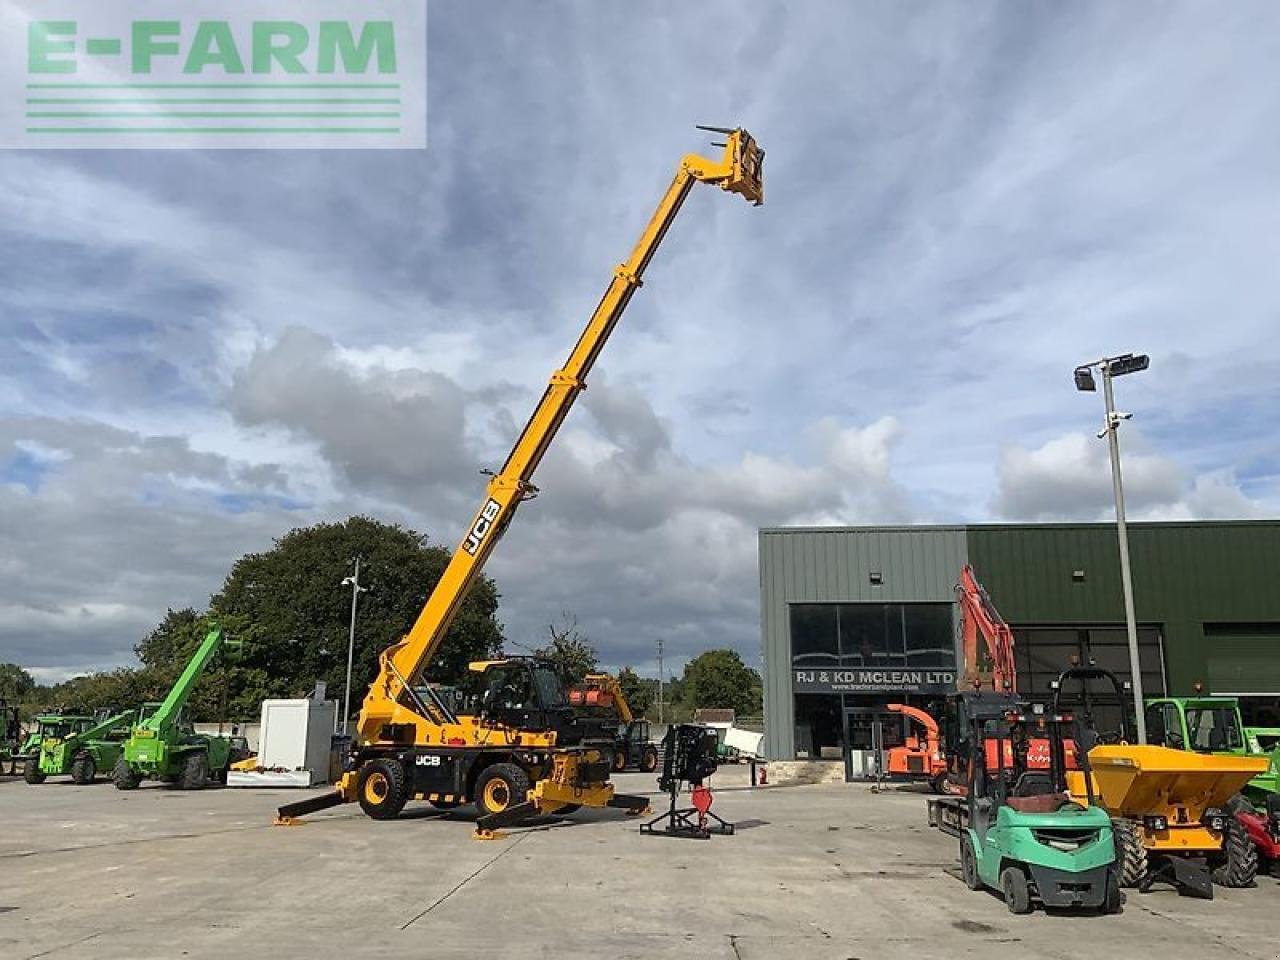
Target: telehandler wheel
83	770
1131	855
31	771
1017	894
500	786
969	864
382	789
1238	866
123	777
619	761
195	771
649	760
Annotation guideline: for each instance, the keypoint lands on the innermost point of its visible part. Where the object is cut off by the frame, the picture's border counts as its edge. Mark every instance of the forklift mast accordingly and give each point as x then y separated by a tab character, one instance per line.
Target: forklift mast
738	170
180	692
979	619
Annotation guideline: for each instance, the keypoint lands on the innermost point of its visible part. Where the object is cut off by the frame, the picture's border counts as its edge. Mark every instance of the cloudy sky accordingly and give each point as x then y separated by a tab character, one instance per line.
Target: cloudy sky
205	349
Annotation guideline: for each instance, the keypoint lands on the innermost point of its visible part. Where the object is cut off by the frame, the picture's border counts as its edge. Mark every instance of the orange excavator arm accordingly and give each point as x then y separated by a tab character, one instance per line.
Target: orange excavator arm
980	621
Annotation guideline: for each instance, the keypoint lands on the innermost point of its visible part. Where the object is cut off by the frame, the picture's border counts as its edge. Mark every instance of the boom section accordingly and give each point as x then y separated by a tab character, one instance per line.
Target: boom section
739	170
181	690
980	619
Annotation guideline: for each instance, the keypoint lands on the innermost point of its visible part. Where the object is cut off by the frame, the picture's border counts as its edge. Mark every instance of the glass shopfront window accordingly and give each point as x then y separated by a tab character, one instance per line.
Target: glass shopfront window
872	636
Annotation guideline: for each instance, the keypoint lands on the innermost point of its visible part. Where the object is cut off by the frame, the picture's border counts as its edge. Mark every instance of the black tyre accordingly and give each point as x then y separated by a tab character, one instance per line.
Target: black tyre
500	786
83	769
1238	865
1114	899
649	760
1131	855
383	789
31	771
619	761
195	771
1017	893
969	864
123	776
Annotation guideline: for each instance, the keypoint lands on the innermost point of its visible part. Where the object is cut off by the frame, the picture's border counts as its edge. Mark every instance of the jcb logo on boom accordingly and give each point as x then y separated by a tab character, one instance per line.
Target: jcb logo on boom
480	529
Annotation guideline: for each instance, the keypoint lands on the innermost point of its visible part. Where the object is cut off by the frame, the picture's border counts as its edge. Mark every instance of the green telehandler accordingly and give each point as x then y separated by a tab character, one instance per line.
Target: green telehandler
79	745
163	745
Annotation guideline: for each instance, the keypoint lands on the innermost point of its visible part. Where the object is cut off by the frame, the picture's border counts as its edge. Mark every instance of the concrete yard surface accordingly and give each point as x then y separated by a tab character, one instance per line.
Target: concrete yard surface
826	872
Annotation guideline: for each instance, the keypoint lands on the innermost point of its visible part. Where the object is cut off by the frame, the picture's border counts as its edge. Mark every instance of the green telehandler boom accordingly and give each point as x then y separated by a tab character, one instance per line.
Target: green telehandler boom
80	746
164	746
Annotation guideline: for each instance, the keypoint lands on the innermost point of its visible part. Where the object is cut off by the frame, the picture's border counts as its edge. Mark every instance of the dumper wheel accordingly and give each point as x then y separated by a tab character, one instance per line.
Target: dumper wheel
1238	866
31	771
649	760
382	789
195	771
969	864
83	770
500	786
1017	894
1130	853
123	777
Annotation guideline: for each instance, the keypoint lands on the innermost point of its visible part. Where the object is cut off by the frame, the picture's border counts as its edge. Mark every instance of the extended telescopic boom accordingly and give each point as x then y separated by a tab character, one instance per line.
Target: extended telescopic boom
738	170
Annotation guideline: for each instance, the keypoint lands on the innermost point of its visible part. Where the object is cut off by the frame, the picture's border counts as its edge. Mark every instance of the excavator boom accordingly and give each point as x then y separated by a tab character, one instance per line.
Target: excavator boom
738	170
980	621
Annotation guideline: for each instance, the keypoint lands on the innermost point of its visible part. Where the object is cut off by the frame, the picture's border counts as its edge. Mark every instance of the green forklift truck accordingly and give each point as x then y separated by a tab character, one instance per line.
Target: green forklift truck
81	746
163	745
1019	831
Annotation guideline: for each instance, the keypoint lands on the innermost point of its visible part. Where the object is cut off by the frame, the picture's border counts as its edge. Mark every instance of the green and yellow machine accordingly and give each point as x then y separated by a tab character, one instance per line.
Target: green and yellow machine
1169	807
164	746
72	744
1213	725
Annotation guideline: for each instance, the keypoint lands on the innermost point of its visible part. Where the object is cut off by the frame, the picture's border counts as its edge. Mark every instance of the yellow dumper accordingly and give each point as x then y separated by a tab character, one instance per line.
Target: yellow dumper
1168	807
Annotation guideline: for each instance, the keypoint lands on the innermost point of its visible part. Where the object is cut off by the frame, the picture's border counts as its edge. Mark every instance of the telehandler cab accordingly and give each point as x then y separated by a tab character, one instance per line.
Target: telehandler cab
511	762
1020	832
1169	807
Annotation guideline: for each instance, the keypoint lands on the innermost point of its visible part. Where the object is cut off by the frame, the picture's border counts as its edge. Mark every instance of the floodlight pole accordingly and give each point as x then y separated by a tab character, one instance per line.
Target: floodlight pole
1122	531
354	582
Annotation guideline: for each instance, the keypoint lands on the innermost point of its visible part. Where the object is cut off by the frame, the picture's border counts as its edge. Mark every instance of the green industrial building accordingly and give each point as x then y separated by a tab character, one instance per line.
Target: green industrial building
854	618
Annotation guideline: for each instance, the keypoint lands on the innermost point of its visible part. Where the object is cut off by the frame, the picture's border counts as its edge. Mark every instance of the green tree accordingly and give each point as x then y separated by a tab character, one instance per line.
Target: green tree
15	683
569	650
164	645
719	679
641	692
292	597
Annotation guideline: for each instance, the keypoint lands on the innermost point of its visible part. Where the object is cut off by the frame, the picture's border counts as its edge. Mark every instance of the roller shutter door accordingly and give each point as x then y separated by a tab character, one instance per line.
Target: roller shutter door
1243	658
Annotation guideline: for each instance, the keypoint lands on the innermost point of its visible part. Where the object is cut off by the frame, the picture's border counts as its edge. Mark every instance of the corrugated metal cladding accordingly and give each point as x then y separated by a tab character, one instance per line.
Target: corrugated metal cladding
834	565
1201	583
1185	575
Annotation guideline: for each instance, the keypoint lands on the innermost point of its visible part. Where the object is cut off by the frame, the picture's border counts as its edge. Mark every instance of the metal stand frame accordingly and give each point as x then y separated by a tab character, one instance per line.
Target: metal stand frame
687	822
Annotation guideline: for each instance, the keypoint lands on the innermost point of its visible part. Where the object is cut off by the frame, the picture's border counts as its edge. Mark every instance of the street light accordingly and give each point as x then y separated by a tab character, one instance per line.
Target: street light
353	582
1110	368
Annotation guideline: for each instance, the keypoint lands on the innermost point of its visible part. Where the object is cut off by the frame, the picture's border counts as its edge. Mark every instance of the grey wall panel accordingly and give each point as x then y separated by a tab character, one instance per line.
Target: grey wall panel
833	565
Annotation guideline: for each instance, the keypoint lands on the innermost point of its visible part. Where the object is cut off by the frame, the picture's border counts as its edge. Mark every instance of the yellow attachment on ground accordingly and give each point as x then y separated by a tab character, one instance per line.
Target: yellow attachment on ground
247	765
564	784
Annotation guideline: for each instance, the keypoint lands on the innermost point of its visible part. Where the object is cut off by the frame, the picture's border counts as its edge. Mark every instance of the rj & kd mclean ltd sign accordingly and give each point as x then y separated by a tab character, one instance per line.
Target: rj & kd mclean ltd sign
872	680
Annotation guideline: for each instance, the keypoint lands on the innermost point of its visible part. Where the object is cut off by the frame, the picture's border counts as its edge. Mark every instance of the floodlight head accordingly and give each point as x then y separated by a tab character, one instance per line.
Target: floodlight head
1129	363
1084	380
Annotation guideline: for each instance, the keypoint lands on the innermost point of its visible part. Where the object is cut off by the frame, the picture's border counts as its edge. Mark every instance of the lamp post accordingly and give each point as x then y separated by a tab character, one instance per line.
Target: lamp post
1110	368
353	582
